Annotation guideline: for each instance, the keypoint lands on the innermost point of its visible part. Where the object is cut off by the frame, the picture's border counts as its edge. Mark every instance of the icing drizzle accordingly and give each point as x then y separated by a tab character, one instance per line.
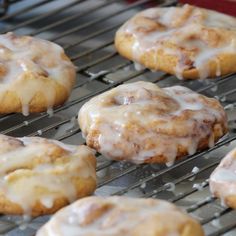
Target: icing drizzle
223	179
26	62
191	34
138	121
115	216
39	170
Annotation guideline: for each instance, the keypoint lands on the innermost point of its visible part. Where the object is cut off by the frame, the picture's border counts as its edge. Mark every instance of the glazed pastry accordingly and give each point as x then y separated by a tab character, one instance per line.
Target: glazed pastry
187	41
142	123
35	74
223	180
39	176
118	216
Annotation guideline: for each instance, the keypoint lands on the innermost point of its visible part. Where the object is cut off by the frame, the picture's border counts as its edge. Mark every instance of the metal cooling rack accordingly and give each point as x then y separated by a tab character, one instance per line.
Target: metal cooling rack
86	30
3	7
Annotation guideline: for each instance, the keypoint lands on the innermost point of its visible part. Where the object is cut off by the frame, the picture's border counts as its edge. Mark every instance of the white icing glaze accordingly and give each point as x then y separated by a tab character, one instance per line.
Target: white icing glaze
138	66
122	217
187	28
139	120
223	179
50	111
29	173
195	170
25	58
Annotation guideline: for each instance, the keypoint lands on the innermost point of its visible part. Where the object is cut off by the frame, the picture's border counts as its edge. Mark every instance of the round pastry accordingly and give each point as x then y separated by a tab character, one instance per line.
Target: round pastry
35	74
187	41
39	176
223	180
142	123
118	216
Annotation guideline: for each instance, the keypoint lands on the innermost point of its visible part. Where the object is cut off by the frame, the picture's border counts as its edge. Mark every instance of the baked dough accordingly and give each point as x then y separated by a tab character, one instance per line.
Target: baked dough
142	123
39	176
187	41
35	74
223	180
118	216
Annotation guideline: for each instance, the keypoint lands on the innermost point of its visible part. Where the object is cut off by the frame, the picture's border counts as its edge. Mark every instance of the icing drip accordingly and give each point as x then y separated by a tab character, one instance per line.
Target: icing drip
192	35
50	111
223	179
139	121
25	109
115	216
39	170
218	70
138	66
27	63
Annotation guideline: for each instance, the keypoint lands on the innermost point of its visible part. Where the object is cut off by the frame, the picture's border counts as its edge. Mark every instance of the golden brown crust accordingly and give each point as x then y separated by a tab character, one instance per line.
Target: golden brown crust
11	103
229	200
118	216
168	63
190	43
42	176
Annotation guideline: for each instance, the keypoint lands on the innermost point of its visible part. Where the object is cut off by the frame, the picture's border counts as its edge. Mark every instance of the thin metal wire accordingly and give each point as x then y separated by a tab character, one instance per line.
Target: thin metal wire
102	74
15	1
185	194
223	79
216	216
24	10
99	32
179	164
217	83
73	17
90	36
199	204
124	172
95	62
96	21
224	230
42	16
229	92
181	179
12	226
66	135
53	126
106	165
87	52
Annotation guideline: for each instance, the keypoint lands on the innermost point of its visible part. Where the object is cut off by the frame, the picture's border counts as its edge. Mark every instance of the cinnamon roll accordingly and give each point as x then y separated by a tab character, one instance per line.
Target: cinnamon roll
187	41
118	216
142	123
39	176
35	74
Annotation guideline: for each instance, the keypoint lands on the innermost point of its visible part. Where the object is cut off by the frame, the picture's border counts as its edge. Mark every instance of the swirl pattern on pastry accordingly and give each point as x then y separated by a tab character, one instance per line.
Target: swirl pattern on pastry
35	74
140	122
223	180
39	176
187	41
118	216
